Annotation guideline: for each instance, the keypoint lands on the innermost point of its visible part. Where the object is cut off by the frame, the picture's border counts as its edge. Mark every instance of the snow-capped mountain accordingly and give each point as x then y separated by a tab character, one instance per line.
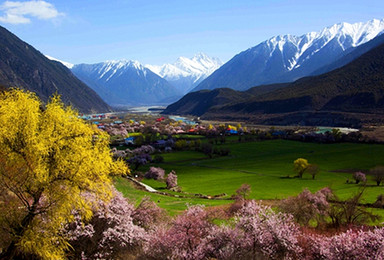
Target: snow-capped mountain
187	73
66	64
286	58
126	82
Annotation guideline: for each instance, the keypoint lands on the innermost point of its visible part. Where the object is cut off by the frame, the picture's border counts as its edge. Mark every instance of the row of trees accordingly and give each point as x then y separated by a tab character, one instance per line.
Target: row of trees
377	174
301	166
253	231
324	208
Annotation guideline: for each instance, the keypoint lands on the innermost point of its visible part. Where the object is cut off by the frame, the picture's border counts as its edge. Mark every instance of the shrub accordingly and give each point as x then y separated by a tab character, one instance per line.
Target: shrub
349	212
139	160
359	177
307	206
171	180
181	144
207	149
148	214
182	239
224	151
352	244
313	170
378	174
158	158
244	191
236	206
222	242
379	203
155	173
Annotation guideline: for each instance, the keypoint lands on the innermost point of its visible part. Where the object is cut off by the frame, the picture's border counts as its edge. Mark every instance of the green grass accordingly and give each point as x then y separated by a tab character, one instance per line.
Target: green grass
177	157
264	165
135	134
173	205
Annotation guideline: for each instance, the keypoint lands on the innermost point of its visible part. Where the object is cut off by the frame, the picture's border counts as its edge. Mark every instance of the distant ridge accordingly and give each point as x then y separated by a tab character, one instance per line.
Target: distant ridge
23	66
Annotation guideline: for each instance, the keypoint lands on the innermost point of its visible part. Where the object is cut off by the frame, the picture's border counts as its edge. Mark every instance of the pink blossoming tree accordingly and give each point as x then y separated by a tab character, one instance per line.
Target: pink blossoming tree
171	180
109	234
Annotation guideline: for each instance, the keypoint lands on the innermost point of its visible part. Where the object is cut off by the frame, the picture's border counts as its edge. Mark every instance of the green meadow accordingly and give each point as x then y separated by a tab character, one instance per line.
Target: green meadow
268	167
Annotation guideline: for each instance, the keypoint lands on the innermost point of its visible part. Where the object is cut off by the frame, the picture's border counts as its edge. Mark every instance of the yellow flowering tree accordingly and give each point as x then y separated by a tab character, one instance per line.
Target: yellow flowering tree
300	165
48	158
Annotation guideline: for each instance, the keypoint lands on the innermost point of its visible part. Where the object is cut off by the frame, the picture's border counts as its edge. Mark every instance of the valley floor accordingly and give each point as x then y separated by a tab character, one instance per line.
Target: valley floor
267	166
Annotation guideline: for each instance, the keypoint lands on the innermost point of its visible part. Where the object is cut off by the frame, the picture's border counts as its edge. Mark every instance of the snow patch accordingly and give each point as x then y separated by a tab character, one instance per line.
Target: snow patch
66	64
199	66
117	67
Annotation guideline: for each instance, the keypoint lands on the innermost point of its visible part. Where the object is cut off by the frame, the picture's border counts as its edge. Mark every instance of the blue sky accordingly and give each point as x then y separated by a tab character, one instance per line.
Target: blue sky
157	32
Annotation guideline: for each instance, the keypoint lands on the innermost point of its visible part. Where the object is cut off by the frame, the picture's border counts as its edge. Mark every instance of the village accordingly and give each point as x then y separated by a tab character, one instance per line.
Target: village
136	129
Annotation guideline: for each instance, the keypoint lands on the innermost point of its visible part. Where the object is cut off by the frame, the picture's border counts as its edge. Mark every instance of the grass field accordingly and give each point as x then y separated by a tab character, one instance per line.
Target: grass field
173	205
265	166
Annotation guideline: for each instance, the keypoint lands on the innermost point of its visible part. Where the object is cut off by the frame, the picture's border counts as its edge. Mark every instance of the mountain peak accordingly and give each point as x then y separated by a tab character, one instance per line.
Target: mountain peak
186	73
124	63
201	56
359	32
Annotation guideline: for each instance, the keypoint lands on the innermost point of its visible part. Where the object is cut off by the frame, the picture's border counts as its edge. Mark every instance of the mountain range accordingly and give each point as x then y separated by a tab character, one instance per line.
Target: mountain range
348	96
317	64
287	58
277	60
22	66
126	82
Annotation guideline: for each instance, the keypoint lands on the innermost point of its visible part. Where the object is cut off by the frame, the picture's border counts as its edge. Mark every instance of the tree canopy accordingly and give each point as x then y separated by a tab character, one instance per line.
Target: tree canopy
48	158
300	165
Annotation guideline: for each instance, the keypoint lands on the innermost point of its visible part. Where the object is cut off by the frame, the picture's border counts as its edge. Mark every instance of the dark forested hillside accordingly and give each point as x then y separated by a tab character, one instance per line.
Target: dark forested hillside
24	67
198	103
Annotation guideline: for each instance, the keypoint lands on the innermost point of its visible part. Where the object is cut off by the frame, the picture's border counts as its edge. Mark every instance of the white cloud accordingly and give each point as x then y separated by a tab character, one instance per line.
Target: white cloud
21	12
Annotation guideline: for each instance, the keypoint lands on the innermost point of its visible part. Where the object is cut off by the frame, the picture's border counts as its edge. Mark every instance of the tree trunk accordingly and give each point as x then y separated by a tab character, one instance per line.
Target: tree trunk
11	251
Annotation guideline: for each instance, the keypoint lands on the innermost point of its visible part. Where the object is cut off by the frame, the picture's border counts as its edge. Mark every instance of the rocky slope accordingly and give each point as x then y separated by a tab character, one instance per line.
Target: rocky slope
24	67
